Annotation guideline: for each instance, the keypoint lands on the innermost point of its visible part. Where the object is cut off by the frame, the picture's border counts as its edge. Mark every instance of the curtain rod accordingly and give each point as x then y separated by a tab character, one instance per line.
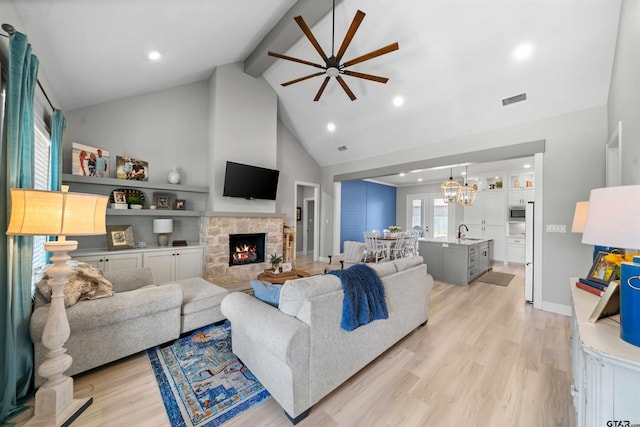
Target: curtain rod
9	29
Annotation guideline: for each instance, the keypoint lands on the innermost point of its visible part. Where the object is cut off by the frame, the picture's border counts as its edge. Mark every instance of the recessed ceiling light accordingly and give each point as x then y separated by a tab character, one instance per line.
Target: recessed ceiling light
398	101
419	179
154	55
463	173
527	166
402	174
523	51
331	127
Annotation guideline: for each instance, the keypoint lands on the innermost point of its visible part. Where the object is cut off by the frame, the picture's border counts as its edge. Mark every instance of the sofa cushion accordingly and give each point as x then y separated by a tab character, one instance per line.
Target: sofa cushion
199	294
266	291
383	269
129	279
295	292
406	263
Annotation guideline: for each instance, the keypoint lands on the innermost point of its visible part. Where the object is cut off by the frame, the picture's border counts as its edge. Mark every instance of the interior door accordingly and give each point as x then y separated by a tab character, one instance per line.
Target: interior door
431	213
310	205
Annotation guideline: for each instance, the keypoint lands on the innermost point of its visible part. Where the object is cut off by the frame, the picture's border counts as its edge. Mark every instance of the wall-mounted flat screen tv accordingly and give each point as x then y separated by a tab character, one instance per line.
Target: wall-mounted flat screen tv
250	182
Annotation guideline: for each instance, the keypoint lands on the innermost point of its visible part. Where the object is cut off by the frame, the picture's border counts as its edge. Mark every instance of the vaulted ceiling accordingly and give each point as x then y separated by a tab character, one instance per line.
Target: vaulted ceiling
455	63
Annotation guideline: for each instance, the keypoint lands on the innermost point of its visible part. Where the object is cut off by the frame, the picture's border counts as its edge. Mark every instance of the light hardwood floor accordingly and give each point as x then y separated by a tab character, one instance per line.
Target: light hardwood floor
485	358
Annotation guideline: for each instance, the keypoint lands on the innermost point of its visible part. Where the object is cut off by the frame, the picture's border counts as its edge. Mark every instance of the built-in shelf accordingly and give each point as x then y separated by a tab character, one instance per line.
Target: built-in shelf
152	212
115	182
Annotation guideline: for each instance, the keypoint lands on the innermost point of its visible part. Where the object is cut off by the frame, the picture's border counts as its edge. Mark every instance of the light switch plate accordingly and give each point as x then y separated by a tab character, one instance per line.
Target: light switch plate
552	228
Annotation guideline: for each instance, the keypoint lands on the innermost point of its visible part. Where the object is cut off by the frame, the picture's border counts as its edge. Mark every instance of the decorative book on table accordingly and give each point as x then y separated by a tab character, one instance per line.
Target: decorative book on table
593	284
590	289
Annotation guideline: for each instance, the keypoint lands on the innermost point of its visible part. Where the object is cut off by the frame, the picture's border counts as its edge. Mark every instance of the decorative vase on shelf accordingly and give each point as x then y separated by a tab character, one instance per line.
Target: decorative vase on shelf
174	176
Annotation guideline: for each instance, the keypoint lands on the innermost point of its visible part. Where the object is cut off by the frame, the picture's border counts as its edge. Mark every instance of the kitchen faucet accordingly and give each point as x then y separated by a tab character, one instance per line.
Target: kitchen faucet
460	235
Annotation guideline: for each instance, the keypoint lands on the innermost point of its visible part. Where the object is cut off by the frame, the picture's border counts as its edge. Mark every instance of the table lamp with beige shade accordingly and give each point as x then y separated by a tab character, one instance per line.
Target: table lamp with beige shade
56	213
612	220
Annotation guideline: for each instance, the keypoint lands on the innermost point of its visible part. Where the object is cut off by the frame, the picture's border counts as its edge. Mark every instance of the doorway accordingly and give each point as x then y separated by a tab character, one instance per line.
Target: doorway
429	214
306	205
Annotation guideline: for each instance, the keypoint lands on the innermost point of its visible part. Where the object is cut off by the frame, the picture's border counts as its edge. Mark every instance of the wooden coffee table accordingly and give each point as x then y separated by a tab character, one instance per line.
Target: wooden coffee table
280	278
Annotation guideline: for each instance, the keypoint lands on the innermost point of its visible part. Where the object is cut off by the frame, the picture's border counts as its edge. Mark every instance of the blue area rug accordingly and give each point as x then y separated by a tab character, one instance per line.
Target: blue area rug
201	381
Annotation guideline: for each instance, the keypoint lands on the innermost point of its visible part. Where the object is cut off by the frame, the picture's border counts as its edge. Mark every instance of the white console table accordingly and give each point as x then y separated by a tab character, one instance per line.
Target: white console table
606	369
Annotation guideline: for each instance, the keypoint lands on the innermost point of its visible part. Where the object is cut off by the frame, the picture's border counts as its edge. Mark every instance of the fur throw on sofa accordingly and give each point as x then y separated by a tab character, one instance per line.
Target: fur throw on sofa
84	282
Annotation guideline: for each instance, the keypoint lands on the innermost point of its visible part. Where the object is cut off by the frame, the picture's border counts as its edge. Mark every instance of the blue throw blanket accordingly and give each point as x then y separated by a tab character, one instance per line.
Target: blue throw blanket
364	299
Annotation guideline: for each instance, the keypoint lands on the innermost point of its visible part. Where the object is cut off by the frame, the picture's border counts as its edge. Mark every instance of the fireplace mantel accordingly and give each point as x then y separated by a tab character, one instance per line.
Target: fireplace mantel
217	214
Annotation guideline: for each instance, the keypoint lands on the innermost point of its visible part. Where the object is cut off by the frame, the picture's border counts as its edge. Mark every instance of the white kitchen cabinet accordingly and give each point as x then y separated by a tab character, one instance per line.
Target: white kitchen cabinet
174	263
515	250
606	369
109	261
521	197
486	219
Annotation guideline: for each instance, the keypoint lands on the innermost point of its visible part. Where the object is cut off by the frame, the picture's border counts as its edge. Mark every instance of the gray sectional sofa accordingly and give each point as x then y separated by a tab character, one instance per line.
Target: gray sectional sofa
139	315
299	352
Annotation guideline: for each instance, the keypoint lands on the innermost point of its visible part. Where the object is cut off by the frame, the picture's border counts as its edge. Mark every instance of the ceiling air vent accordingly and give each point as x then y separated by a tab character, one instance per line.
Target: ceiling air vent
342	148
514	99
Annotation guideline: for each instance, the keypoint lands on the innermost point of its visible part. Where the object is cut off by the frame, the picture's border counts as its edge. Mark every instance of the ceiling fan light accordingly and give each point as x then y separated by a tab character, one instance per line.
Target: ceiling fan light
332	72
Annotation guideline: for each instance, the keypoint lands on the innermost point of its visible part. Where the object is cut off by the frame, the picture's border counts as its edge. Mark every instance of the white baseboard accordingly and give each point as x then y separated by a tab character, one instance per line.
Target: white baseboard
552	307
323	259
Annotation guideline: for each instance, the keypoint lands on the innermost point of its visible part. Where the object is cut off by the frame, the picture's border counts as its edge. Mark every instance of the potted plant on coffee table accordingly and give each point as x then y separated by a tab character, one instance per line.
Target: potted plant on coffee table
275	262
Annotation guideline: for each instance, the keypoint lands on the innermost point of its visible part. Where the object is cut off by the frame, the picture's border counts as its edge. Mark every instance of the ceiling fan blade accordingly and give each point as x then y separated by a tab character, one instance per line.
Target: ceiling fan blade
291	58
322	86
302	78
365	76
307	32
346	88
371	55
357	20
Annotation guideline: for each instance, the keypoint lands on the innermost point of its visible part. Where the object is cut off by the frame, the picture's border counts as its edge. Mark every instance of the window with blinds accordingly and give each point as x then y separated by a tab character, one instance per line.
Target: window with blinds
41	162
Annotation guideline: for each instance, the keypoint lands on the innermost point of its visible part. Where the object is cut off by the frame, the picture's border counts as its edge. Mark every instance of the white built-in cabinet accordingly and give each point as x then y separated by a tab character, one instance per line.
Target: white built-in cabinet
172	263
521	197
515	250
486	220
606	369
109	261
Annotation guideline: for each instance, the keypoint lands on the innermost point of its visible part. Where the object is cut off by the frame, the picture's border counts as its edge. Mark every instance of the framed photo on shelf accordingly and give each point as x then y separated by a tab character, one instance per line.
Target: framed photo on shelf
89	161
119	197
603	271
286	266
179	205
130	168
120	237
163	200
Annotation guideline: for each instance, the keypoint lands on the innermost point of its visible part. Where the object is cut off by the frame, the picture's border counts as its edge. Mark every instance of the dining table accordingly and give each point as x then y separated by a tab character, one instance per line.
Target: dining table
388	242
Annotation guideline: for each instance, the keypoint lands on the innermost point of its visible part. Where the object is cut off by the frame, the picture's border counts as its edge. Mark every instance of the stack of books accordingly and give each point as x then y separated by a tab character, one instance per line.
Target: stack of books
591	286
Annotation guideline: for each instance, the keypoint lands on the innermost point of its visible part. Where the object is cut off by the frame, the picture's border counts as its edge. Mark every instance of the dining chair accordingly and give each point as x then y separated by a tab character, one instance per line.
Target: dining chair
397	250
411	244
374	248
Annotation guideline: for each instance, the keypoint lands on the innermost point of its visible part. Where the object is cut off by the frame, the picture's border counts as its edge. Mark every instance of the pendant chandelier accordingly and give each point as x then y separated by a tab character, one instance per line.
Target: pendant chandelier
467	193
450	189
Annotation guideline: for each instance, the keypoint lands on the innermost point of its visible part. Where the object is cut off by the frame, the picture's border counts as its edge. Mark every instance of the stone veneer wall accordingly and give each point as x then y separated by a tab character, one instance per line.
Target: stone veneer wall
216	229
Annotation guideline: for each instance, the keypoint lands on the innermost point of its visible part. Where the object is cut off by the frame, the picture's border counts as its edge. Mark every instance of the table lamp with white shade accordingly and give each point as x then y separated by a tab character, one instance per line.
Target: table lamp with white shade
55	213
163	227
613	220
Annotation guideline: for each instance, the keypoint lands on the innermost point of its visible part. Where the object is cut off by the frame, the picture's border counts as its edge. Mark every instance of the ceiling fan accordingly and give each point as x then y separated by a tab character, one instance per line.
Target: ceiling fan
333	66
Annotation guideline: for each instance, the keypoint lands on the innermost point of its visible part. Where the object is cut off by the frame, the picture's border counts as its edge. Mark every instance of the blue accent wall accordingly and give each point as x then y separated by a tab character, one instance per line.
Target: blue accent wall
365	206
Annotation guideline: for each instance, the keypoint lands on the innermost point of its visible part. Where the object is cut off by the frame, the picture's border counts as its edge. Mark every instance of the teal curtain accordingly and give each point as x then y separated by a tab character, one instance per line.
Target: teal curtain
58	125
16	358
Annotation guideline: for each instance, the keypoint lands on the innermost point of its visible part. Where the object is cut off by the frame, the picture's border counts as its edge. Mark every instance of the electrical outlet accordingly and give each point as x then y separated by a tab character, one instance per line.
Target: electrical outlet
551	228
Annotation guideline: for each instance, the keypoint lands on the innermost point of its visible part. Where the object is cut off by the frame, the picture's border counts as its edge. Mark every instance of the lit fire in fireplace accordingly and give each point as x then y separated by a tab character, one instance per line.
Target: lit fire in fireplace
245	254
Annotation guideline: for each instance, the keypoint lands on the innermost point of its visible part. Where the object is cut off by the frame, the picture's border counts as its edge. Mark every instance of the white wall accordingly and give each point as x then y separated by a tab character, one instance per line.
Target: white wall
624	93
242	129
573	165
165	128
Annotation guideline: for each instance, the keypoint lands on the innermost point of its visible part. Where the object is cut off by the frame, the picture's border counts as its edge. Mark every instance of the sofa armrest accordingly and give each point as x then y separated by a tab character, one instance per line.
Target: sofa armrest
123	306
284	336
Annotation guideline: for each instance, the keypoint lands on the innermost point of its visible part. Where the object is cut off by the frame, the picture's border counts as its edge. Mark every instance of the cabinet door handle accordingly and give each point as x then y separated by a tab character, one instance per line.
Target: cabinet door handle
106	260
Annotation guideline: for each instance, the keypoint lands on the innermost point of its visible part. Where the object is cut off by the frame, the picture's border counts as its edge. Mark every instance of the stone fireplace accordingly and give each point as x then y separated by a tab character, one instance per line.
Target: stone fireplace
217	229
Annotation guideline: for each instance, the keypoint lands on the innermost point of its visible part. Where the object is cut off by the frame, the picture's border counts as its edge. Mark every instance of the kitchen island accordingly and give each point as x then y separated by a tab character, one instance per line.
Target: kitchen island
457	261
